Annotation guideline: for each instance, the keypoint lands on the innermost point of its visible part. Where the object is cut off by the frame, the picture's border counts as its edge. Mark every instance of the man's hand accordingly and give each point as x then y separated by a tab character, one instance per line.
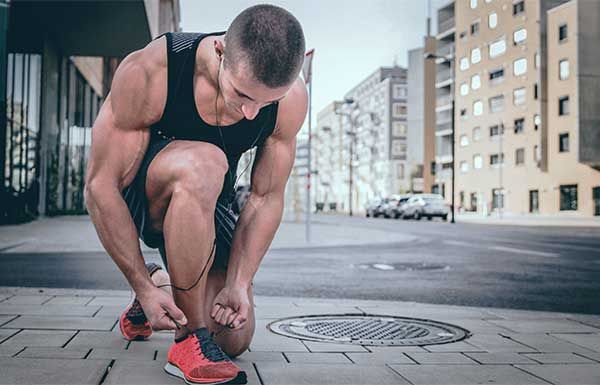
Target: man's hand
160	309
231	306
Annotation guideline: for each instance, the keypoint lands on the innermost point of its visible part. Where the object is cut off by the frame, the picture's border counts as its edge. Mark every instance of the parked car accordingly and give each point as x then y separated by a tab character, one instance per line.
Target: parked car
395	210
371	205
386	208
425	205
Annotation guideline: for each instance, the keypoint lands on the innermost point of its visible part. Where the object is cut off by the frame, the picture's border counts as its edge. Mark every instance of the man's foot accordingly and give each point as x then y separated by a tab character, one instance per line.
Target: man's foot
197	359
133	322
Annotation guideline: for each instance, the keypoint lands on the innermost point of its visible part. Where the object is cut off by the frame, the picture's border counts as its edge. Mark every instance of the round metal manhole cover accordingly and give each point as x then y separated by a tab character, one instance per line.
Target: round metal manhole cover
374	330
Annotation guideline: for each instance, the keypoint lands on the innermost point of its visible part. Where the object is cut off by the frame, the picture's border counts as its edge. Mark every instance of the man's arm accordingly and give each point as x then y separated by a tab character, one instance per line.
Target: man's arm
261	215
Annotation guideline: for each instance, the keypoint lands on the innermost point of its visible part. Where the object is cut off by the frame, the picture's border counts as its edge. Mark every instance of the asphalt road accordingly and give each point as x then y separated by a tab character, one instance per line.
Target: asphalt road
536	268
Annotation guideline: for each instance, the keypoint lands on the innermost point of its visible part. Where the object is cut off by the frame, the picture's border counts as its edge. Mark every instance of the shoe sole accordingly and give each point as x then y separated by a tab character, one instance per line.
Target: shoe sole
176	372
139	337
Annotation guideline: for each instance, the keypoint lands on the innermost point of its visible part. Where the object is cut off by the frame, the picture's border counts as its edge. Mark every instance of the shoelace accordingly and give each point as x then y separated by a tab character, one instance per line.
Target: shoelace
210	349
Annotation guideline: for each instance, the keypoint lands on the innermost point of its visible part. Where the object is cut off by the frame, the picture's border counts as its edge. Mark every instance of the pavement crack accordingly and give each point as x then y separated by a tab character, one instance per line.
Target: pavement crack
70	339
258	374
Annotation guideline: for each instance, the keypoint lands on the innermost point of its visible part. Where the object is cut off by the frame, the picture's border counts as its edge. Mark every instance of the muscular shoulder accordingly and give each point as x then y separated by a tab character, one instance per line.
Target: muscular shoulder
139	87
292	111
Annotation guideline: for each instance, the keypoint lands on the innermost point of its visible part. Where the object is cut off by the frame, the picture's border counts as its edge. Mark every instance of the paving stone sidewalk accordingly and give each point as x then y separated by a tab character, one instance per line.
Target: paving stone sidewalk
63	336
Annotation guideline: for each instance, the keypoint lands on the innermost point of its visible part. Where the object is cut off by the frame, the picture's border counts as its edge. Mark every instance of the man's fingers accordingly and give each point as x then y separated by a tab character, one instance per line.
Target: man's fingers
218	313
222	319
215	309
175	313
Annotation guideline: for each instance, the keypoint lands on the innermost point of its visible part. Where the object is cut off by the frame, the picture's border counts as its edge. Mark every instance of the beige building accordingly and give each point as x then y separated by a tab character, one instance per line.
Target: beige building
521	69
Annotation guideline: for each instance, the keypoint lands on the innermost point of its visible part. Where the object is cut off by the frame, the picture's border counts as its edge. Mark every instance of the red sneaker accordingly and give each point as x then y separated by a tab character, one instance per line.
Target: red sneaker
197	359
133	322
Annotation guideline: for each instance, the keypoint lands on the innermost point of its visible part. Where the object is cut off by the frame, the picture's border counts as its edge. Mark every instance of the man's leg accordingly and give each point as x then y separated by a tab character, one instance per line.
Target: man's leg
182	186
232	342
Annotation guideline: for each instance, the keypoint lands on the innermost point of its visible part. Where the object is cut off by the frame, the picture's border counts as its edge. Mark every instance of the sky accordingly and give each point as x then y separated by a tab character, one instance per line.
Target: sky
351	38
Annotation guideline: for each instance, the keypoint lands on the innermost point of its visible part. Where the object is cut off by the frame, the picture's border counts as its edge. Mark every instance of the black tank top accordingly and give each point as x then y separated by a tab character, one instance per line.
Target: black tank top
181	120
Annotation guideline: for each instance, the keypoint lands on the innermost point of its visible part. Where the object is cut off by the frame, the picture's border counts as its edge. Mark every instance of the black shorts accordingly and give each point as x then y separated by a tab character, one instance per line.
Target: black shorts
137	202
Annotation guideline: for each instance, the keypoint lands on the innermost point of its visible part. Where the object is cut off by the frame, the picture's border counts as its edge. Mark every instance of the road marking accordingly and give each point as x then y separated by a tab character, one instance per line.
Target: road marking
524	251
383	266
456	243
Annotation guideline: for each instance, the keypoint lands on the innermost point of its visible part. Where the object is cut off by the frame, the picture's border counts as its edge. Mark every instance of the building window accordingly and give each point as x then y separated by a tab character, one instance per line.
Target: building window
477	108
497	48
464	89
497	76
493	20
536	122
496	103
496	130
596	199
476	134
536	60
496	160
520	66
534	201
477	161
568	197
475	55
518	7
562	33
398	148
464	166
563	142
519	96
535	91
475	82
563	69
520	156
399	129
537	156
401	170
399	91
519	125
464	63
519	36
497	198
475	28
473	4
464	140
399	110
563	105
463	112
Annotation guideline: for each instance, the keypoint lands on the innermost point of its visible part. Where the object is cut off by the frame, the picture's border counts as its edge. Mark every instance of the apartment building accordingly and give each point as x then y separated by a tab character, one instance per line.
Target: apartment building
526	94
444	93
380	130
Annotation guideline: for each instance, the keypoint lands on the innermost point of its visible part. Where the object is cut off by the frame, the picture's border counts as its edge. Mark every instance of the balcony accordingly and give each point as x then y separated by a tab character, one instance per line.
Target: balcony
445	50
445	25
443	129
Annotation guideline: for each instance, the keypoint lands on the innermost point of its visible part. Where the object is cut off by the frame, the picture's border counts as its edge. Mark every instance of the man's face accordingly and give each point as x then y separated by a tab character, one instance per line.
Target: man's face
244	94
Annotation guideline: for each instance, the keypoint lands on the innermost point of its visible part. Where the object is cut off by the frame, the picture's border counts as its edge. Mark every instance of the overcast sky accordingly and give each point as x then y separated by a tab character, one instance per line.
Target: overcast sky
351	38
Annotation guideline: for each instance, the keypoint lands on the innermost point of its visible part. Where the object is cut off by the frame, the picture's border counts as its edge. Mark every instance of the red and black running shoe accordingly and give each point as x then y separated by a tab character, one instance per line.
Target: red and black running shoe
133	322
197	359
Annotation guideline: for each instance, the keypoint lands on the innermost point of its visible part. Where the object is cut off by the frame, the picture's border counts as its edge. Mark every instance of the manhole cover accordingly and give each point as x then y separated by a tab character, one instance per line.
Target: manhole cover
359	329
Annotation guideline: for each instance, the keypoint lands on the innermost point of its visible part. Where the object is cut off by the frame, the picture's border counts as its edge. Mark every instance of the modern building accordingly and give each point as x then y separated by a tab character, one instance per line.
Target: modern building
527	105
445	86
379	130
415	118
56	64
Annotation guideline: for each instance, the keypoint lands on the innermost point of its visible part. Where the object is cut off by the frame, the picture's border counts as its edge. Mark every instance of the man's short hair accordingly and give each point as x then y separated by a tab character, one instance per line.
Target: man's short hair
270	41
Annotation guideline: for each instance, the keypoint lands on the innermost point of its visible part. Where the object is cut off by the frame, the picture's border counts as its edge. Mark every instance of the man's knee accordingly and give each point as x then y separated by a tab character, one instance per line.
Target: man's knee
238	343
200	172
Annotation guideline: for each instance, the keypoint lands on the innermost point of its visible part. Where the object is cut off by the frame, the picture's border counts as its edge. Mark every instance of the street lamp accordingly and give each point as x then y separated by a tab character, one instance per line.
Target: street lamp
352	133
430	55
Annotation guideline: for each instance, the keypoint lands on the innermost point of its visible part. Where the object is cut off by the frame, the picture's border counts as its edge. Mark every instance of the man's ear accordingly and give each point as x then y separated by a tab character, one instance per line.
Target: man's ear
219	48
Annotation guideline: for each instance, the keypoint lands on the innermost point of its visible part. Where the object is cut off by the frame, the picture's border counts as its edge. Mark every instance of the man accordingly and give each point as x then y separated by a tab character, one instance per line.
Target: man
165	148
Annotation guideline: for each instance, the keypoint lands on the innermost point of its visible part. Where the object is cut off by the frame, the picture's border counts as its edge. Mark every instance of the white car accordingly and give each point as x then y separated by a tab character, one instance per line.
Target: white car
425	205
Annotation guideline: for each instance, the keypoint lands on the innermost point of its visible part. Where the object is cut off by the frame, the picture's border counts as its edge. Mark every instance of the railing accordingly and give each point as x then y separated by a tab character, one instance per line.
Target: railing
443	75
445	25
444	50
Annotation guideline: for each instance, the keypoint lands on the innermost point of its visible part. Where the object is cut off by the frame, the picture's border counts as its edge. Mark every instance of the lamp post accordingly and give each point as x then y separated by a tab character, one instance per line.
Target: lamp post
430	55
352	133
